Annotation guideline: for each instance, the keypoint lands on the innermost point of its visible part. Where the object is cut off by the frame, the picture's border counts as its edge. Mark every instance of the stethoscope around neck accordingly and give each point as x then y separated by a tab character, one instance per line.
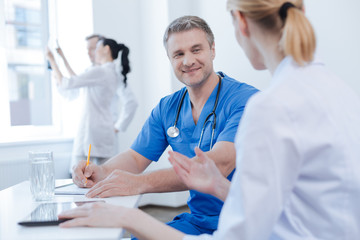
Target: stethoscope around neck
173	131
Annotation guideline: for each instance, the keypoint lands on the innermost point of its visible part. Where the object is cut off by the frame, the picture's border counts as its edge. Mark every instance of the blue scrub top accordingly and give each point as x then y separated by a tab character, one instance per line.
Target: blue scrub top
153	140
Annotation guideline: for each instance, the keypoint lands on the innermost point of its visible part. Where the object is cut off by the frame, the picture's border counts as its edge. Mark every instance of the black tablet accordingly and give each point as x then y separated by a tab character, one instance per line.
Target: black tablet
46	214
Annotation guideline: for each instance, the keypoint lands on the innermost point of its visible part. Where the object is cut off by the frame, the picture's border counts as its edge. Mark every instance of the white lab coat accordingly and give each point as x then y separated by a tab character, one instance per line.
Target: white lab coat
96	126
128	102
128	106
298	161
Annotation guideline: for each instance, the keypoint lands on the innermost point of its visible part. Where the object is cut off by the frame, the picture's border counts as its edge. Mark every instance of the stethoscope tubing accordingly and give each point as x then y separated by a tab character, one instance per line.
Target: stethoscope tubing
179	108
206	119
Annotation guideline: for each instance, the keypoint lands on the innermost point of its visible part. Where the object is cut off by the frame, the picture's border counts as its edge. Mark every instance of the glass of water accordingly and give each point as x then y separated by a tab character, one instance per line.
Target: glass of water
42	175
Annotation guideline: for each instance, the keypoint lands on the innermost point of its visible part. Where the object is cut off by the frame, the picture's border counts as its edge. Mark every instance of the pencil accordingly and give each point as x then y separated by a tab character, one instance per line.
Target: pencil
88	157
88	161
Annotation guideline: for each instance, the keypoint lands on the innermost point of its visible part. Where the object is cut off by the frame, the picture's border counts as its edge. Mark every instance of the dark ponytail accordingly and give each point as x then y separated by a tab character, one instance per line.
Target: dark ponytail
124	61
115	48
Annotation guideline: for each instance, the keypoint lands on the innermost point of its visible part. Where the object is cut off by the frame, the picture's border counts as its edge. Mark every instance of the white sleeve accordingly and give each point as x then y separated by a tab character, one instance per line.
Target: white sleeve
69	94
93	76
129	105
267	165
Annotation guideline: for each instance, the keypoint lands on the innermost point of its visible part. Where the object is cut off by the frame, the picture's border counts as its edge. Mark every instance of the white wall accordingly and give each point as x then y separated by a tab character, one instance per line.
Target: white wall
15	165
337	29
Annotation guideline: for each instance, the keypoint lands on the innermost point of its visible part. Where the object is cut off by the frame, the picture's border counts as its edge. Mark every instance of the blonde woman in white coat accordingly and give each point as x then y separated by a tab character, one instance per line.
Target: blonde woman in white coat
99	83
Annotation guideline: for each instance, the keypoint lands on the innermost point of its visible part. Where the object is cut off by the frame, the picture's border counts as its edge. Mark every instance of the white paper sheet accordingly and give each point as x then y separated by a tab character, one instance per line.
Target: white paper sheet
71	190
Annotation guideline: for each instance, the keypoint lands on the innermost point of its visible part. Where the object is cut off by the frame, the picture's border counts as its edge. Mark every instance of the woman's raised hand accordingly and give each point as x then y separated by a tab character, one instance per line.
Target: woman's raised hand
200	173
60	52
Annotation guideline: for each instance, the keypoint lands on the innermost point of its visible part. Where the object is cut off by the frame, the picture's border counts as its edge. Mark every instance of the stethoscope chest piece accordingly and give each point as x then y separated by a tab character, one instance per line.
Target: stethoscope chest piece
173	132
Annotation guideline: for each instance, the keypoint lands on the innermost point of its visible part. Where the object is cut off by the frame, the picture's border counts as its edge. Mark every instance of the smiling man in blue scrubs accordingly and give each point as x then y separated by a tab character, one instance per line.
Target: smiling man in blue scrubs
205	113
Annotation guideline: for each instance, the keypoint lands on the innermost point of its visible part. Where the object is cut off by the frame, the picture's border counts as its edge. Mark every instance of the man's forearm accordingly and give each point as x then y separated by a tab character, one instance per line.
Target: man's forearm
129	161
164	180
223	154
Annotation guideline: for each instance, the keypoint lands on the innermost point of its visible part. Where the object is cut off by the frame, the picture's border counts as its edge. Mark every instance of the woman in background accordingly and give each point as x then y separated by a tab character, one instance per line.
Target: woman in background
297	148
99	83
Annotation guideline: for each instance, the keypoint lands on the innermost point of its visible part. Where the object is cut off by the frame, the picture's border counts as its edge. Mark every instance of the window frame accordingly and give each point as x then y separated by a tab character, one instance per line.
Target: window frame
28	132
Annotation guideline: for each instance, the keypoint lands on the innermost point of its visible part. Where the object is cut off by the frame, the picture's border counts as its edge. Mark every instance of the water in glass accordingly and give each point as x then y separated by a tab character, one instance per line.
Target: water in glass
42	179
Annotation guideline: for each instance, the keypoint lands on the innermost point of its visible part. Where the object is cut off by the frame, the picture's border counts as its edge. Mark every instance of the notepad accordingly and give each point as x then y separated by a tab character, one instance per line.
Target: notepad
71	189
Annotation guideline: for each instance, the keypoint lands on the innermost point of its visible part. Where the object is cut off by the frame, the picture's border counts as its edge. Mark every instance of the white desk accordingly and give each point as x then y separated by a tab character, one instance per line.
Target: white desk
16	203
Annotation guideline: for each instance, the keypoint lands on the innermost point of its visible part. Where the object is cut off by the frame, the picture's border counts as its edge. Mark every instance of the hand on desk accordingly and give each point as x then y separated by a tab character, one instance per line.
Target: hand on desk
135	221
118	183
93	215
201	175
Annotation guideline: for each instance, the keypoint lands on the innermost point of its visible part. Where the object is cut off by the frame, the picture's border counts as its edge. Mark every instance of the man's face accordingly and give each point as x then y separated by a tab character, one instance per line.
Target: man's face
191	56
91	46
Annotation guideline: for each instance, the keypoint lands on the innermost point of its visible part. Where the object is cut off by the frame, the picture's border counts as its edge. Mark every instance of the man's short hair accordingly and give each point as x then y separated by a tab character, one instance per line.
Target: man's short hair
187	23
94	36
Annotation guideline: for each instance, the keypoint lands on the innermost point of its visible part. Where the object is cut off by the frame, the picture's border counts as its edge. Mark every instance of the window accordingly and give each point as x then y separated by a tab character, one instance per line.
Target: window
26	105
